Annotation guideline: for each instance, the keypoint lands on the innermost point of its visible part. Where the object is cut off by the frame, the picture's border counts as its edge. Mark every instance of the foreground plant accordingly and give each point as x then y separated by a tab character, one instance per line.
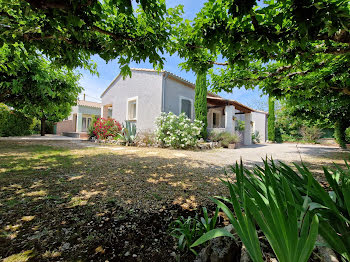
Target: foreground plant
276	207
188	230
332	205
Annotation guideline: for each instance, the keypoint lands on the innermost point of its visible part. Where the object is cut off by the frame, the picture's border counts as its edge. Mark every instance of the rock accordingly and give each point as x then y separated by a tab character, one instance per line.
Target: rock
65	246
244	255
326	253
221	249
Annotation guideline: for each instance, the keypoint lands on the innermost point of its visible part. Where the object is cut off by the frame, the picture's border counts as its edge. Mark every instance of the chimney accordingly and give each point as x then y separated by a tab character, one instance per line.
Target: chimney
84	97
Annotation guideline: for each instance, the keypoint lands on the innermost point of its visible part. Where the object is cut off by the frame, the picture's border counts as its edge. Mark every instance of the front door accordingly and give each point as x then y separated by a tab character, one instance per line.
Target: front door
86	123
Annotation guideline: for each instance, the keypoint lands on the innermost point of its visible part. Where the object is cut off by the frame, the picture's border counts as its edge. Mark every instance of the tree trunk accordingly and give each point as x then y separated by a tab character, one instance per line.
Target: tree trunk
42	126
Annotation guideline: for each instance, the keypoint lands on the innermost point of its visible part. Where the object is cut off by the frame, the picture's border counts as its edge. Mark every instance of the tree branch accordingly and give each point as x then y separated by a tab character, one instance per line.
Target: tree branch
218	63
38	37
113	35
341	37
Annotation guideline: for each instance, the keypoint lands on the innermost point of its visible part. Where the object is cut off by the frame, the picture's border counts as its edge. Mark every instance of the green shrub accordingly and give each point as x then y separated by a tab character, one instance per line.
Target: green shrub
347	135
228	138
256	137
188	230
215	136
35	126
177	131
224	137
339	132
311	134
14	123
91	128
128	132
240	125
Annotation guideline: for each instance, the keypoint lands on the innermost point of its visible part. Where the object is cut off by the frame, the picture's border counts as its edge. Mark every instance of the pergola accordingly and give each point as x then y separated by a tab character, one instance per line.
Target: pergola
230	108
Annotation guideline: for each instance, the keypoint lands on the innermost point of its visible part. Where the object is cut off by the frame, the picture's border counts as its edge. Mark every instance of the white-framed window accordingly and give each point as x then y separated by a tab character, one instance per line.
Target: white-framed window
131	110
186	106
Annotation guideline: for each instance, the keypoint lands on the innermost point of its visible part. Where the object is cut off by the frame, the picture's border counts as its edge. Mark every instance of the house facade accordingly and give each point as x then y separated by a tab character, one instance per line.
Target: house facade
142	97
80	118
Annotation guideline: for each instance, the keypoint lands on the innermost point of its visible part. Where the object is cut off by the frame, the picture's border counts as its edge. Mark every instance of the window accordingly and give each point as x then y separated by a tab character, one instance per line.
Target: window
215	119
84	122
186	107
132	109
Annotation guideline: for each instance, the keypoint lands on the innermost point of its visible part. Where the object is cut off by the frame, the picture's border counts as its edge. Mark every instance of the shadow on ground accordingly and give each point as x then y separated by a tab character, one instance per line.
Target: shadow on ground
97	204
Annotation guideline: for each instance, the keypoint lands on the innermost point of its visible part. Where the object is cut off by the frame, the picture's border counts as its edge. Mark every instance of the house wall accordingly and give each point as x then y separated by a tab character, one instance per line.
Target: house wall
74	111
173	91
147	87
221	119
87	110
64	126
259	120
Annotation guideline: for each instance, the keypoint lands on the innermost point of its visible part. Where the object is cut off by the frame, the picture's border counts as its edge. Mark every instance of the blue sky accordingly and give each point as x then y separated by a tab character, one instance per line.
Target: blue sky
94	85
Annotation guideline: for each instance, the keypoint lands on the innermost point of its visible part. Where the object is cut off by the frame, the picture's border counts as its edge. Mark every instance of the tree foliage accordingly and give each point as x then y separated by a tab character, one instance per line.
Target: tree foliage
327	108
13	123
298	50
69	32
36	87
200	103
281	46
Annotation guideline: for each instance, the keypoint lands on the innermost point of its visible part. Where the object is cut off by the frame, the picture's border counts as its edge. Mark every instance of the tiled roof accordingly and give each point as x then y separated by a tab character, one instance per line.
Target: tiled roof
88	103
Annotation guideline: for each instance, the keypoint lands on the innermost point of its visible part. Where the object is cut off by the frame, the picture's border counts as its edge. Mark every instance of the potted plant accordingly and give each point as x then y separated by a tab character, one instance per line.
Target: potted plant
229	140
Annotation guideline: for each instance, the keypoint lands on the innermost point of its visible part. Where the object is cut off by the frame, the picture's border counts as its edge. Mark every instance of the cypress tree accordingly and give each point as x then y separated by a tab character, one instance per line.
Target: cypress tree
200	103
271	120
339	132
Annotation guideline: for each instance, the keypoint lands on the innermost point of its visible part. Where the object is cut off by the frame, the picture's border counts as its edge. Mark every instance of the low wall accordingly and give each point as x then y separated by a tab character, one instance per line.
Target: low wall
64	126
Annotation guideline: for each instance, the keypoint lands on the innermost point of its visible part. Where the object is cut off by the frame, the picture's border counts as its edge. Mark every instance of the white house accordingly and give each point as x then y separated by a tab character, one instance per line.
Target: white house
148	92
78	122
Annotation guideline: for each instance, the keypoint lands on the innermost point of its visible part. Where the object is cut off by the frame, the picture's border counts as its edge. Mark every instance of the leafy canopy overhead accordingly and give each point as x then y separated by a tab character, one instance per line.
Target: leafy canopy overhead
35	86
273	44
69	32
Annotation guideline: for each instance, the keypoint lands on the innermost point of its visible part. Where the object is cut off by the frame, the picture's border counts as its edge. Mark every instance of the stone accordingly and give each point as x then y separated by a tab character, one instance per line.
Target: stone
220	249
244	255
326	253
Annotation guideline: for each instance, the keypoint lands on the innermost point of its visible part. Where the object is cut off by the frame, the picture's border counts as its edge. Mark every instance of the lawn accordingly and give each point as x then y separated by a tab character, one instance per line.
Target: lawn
65	201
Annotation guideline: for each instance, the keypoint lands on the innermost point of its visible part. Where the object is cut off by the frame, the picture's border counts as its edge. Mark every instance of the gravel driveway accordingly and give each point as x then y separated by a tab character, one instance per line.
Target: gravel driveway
312	155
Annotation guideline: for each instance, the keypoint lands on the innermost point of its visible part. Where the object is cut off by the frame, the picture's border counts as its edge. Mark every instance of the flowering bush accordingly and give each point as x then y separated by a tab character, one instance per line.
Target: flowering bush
106	127
177	131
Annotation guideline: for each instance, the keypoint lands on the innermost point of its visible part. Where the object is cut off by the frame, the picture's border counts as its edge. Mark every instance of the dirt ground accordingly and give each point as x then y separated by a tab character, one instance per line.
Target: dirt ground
78	201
